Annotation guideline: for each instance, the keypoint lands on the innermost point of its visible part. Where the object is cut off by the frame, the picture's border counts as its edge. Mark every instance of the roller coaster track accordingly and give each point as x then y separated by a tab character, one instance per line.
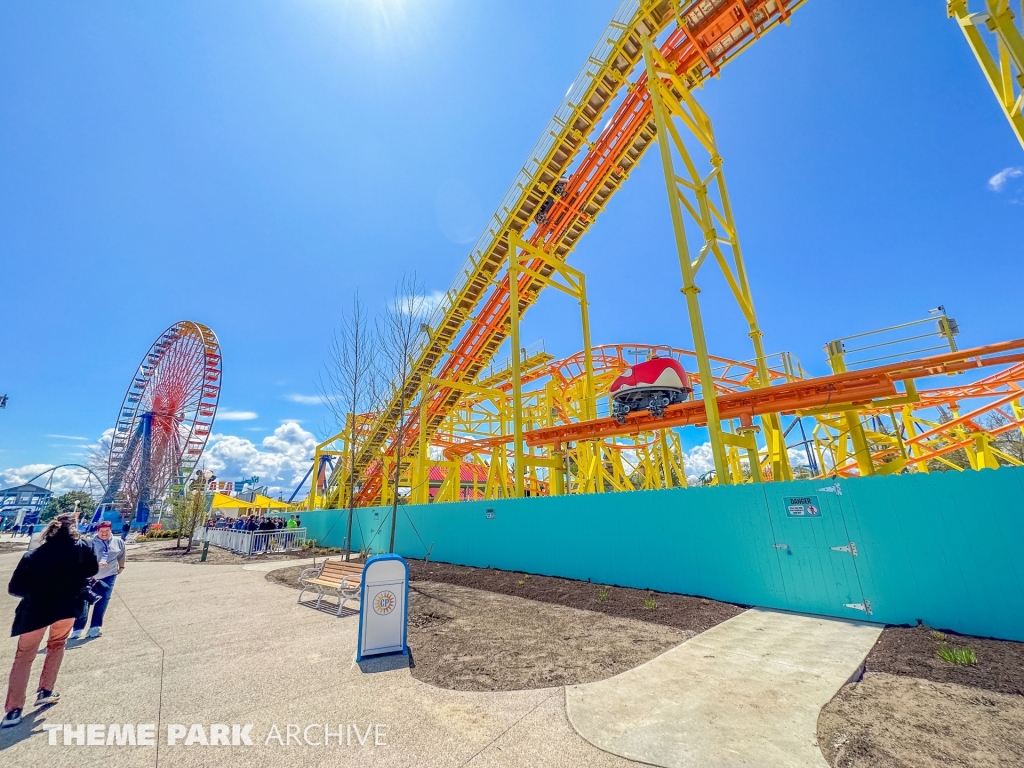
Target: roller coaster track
853	388
708	34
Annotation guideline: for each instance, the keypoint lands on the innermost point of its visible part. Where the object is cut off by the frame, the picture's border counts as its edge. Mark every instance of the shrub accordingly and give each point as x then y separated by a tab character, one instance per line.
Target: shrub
159	535
959	656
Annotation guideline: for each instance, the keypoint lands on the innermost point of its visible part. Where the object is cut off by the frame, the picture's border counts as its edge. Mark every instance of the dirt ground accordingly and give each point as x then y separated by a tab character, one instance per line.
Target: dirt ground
163	550
912	709
912	651
483	640
482	629
693	614
889	721
471	640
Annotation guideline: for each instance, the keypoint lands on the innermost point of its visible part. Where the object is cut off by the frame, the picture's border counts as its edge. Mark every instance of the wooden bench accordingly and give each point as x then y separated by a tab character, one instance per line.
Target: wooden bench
337	576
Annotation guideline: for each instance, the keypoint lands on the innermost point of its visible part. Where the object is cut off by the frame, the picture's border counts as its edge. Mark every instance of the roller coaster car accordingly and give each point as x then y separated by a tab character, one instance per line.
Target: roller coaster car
559	190
652	386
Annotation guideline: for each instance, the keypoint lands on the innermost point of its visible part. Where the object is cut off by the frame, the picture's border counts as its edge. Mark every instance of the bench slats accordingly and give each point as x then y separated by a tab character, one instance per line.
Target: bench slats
331	575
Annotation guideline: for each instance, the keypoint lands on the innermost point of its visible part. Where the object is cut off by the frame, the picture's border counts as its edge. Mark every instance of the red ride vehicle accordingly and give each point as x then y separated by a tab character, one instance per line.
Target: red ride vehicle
649	386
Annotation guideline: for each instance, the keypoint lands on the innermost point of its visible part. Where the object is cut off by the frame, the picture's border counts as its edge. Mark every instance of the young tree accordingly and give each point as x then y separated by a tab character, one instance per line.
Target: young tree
957	457
400	328
352	388
196	513
1010	441
189	510
65	504
179	513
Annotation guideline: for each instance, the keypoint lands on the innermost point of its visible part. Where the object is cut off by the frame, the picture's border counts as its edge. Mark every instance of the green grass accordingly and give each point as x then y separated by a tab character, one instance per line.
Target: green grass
602	593
959	656
650	604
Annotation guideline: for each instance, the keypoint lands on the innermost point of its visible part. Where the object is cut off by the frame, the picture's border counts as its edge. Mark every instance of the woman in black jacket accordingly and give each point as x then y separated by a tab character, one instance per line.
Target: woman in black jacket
50	581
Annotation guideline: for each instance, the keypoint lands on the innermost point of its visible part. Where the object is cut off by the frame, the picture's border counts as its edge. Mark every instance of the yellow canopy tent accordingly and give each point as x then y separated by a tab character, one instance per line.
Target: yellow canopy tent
222	501
265	502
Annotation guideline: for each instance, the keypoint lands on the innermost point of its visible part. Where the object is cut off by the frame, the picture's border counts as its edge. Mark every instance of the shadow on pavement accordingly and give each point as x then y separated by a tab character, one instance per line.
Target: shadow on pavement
27	727
331	609
388	663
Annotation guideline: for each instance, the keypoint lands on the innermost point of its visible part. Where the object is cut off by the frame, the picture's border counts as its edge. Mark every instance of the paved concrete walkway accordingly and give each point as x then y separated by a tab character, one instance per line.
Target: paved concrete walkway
744	693
216	644
272	565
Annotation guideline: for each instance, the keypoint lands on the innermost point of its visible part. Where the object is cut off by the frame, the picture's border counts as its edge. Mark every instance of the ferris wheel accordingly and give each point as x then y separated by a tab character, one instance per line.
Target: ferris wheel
164	421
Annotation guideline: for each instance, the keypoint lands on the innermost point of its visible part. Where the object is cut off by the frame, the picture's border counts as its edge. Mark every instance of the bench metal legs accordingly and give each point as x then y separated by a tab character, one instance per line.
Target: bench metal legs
319	589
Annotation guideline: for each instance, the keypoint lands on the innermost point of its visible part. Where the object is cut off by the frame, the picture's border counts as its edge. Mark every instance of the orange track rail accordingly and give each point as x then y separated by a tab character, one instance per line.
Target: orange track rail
851	389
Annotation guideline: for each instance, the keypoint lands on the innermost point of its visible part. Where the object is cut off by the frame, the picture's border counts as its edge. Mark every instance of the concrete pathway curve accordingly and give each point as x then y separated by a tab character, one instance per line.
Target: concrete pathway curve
744	693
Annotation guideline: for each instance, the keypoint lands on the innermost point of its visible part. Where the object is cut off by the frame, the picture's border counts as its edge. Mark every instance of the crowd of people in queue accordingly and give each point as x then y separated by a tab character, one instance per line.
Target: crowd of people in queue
253	523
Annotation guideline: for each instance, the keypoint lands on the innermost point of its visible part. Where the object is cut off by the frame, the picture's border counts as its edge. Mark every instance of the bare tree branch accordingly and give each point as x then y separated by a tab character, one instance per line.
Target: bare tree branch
351	390
400	328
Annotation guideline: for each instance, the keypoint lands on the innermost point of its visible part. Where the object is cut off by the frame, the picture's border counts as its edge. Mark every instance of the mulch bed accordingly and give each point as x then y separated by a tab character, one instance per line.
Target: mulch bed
912	652
679	611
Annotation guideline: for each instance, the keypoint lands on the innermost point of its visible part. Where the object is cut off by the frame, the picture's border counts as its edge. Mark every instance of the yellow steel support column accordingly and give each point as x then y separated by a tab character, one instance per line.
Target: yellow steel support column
854	429
421	483
913	452
983	457
666	462
557	472
1004	70
573	282
670	98
517	383
690	289
314	477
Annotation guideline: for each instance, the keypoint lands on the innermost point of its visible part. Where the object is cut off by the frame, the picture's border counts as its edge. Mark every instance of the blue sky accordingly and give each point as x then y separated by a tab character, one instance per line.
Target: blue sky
249	164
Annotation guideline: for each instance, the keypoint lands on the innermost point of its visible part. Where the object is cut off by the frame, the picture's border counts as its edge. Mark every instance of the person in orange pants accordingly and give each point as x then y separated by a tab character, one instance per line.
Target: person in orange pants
52	582
28	647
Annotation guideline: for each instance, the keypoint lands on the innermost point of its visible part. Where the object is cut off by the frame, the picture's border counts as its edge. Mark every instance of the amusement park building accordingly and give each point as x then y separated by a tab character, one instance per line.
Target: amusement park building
21	502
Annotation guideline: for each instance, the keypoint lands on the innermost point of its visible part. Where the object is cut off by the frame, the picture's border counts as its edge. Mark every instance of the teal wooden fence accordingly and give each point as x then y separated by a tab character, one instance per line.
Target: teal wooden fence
946	549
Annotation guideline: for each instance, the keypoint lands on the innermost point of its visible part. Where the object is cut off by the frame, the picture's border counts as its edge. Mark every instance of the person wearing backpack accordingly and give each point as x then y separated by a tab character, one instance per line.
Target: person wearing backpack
51	581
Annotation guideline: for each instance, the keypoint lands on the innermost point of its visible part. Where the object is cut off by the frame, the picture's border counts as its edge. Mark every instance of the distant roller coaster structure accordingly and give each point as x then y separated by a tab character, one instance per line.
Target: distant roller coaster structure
87	480
537	426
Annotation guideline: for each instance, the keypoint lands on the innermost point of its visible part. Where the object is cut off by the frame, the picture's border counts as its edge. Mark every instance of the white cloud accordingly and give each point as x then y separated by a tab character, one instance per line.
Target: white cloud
433	300
697	461
223	415
419	305
21	475
304	399
68	437
280	460
997	182
64	479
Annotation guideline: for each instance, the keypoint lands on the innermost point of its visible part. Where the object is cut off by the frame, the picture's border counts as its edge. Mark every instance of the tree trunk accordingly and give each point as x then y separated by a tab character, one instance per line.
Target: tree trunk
398	472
